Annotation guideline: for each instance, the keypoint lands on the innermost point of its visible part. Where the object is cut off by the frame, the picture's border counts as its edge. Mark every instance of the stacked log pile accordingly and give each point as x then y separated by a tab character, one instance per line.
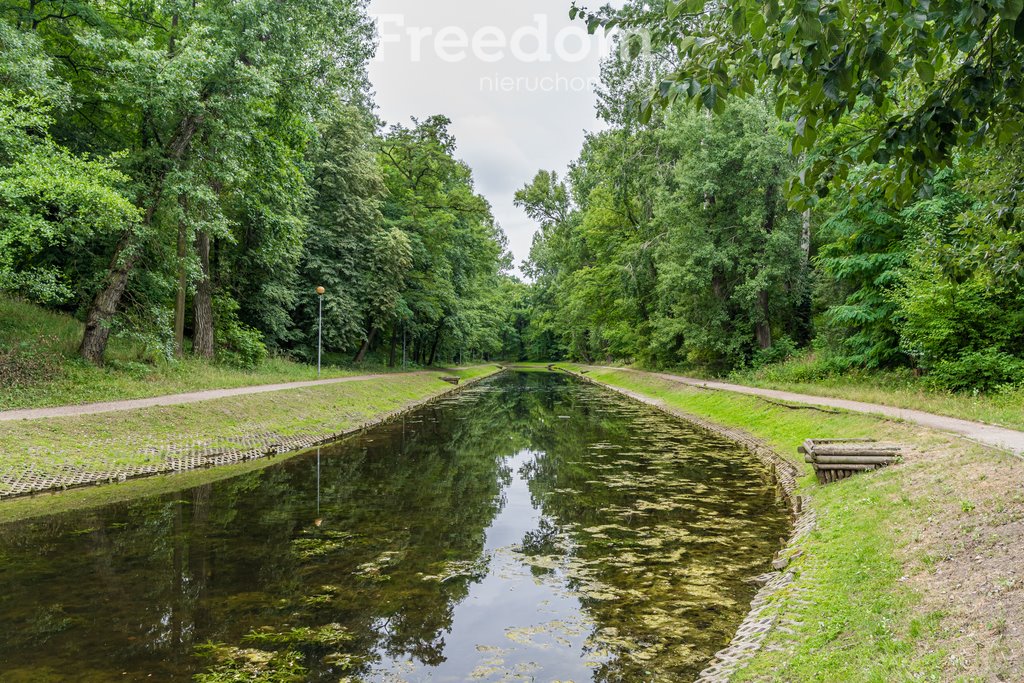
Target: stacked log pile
838	459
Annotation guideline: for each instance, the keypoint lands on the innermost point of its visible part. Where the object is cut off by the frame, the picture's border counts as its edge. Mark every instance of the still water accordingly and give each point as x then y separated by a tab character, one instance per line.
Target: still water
531	528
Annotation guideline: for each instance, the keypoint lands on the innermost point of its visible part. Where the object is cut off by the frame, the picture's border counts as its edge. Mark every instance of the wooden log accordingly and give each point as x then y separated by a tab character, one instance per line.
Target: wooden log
826	441
855	449
844	466
852	459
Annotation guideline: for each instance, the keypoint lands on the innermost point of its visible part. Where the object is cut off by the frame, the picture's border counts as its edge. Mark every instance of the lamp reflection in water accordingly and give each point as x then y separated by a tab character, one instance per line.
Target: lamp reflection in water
319	520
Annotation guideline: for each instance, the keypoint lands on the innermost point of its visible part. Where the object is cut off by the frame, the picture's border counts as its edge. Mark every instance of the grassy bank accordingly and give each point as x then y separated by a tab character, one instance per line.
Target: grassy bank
106	442
902	389
46	504
909	574
39	365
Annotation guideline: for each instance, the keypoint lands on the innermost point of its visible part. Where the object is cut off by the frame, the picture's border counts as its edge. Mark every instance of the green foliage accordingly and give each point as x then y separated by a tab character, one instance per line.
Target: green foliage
445	305
685	252
921	79
53	203
860	260
238	345
985	370
732	259
671	242
130	136
782	350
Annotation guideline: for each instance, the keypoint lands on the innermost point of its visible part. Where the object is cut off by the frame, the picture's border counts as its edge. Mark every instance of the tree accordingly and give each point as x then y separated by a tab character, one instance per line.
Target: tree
730	282
53	202
920	79
194	96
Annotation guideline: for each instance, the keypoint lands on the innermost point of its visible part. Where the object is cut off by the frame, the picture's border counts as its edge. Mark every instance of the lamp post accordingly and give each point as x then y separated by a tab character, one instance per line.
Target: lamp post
320	330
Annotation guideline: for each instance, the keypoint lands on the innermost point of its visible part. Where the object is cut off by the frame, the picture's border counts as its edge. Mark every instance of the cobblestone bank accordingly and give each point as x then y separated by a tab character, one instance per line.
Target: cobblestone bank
172	458
766	613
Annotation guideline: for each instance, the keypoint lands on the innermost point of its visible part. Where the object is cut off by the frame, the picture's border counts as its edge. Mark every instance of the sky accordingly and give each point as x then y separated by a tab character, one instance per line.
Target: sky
516	79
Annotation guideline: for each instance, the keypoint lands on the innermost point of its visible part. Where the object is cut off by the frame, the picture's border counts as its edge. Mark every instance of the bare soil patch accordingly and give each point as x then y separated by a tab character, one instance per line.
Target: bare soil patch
967	559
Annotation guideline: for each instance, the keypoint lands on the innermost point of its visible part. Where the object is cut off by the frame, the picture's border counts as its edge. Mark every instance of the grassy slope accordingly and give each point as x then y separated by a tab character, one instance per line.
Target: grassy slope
56	376
101	442
357	400
899	389
859	618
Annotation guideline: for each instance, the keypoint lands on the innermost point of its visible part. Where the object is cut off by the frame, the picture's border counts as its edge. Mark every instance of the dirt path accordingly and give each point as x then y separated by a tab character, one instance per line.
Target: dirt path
170	400
1000	437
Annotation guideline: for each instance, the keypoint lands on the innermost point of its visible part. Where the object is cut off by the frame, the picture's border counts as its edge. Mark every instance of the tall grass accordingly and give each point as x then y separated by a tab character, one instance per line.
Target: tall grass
810	374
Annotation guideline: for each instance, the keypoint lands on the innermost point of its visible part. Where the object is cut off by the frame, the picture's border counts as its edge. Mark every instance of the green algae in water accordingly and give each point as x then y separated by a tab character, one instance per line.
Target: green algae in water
530	528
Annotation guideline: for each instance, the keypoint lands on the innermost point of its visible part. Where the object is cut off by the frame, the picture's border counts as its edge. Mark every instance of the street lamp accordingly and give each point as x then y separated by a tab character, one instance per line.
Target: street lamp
320	330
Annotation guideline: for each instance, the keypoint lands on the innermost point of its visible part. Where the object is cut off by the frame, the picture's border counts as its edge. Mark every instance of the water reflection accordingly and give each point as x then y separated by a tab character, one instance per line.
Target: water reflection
531	528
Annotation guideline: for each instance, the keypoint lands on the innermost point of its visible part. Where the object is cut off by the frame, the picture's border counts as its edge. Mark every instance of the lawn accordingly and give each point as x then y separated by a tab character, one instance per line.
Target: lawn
107	442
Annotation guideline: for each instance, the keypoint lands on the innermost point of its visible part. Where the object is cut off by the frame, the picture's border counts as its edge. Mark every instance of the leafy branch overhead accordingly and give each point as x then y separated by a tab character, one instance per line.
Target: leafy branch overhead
905	83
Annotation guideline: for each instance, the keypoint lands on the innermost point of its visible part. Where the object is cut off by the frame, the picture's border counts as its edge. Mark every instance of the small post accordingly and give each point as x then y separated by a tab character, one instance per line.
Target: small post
320	330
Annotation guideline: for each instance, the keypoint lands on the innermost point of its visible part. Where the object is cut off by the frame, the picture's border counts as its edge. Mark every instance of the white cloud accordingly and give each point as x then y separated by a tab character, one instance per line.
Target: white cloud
511	76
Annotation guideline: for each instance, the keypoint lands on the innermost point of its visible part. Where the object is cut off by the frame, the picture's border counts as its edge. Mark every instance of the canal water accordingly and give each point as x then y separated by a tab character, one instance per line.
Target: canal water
530	528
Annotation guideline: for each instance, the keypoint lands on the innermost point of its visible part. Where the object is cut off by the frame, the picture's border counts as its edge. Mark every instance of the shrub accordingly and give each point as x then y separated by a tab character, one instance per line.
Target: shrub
783	349
979	370
238	344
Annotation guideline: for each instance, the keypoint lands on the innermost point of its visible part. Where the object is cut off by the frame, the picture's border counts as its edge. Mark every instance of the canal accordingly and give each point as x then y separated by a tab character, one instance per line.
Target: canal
530	528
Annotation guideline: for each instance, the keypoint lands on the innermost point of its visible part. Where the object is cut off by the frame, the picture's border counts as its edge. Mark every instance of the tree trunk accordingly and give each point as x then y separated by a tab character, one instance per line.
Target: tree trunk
365	348
394	346
202	339
805	236
805	328
104	305
764	327
433	348
179	303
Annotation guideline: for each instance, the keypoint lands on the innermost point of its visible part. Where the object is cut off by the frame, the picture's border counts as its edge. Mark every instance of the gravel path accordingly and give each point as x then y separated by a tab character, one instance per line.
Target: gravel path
170	400
1000	437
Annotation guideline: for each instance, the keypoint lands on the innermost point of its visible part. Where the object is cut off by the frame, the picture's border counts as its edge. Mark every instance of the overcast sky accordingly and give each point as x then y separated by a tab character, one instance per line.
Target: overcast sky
516	78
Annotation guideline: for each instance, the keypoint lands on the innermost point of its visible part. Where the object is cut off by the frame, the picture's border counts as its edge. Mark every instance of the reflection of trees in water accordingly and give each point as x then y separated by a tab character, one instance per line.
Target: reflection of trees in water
662	524
140	584
403	515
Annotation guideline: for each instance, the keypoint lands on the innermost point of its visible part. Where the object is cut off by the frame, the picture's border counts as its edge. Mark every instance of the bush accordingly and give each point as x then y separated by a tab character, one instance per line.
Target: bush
783	349
978	370
238	344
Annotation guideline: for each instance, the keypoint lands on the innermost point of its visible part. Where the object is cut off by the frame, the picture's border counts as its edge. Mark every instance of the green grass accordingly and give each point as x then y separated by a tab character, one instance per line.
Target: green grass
895	388
858	620
39	365
110	440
